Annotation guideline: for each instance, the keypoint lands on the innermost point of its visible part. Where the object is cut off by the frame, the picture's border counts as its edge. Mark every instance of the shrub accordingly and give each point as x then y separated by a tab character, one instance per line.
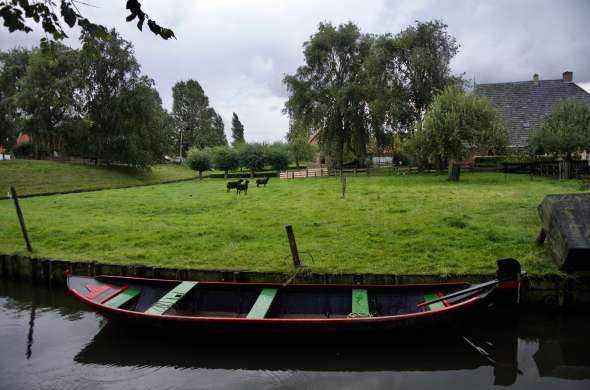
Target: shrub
252	156
23	150
277	156
242	175
225	158
198	160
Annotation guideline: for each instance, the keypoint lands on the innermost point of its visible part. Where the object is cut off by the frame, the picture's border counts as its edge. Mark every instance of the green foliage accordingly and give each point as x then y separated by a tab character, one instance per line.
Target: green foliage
237	130
197	123
301	150
355	87
13	66
242	175
48	95
327	92
225	158
121	106
198	159
16	13
565	129
277	156
22	150
456	123
252	156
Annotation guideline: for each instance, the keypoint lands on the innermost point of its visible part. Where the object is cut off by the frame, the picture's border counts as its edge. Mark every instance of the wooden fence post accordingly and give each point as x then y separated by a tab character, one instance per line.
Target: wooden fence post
21	219
293	245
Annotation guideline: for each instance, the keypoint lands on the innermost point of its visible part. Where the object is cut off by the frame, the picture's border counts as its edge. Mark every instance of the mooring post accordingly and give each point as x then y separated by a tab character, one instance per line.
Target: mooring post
21	219
293	245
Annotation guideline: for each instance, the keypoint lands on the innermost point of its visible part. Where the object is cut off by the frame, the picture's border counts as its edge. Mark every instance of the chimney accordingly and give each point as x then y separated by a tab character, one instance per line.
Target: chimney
568	76
536	79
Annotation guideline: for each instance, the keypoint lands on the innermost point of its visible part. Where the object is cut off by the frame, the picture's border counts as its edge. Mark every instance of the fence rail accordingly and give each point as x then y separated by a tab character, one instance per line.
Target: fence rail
561	169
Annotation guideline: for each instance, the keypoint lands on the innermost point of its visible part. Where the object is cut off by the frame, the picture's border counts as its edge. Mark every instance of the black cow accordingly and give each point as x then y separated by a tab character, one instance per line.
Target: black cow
243	187
233	184
262	181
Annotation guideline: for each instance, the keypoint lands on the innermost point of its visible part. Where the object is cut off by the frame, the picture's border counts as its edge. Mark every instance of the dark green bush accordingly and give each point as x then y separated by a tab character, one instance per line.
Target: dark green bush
243	175
23	150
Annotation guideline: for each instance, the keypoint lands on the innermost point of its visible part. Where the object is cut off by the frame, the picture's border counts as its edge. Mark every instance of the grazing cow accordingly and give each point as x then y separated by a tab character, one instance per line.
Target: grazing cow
243	187
233	184
262	181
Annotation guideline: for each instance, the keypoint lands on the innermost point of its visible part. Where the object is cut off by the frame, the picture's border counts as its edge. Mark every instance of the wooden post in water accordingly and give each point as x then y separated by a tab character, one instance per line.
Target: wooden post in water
21	219
293	245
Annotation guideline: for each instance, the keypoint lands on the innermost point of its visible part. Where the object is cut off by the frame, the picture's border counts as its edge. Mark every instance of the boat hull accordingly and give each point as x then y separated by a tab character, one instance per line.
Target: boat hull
298	308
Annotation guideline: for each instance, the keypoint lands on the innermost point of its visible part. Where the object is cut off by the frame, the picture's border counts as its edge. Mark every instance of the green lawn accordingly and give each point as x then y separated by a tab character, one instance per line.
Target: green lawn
399	224
35	177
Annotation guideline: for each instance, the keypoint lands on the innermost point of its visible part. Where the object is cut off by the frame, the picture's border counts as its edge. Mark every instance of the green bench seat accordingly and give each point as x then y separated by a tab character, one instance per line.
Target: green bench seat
123	297
168	300
262	304
360	303
433	306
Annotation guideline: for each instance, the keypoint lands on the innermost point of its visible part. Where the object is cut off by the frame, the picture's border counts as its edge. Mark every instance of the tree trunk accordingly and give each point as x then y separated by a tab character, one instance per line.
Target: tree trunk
454	170
251	173
565	168
200	175
225	174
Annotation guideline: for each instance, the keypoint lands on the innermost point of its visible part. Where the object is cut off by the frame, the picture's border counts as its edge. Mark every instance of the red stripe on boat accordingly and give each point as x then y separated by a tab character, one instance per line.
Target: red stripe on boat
114	293
509	284
95	291
440	294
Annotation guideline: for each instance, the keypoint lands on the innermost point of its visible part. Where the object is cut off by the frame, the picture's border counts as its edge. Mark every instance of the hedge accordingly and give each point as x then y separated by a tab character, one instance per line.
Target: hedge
243	175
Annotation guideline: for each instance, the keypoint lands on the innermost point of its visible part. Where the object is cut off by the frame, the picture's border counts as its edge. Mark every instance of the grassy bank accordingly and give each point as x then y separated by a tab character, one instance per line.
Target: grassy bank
35	177
400	224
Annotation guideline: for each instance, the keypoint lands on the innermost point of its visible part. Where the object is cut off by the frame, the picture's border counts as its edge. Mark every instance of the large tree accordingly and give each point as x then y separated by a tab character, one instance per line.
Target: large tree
197	123
356	88
13	66
120	105
405	72
457	123
48	94
237	130
328	91
16	14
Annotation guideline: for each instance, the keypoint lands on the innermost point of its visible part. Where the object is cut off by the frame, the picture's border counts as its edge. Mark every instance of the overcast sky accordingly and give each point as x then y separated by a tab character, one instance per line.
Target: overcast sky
239	50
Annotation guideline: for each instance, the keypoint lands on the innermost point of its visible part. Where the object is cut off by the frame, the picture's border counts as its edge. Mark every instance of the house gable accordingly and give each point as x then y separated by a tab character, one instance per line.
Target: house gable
524	104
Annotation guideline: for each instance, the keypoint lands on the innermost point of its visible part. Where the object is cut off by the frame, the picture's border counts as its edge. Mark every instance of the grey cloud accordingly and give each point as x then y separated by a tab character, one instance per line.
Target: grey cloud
240	50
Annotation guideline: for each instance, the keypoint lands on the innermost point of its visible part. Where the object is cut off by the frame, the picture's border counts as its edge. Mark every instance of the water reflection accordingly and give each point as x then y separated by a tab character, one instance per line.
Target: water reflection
70	346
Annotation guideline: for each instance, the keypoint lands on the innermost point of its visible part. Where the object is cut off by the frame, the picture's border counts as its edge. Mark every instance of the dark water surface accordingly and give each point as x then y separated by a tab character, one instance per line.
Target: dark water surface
50	341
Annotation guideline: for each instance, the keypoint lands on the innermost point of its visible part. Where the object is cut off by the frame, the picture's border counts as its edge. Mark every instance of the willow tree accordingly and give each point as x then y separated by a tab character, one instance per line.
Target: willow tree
457	123
405	72
327	92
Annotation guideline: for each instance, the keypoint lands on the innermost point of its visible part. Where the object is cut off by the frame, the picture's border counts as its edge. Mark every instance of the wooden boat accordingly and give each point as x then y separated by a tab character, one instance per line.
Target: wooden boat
266	307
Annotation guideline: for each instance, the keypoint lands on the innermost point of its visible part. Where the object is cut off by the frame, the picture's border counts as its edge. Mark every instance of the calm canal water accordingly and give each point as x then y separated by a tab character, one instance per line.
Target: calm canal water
50	341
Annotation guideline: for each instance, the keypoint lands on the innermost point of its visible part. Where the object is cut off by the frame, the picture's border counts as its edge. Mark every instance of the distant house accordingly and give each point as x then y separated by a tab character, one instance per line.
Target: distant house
22	138
524	104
